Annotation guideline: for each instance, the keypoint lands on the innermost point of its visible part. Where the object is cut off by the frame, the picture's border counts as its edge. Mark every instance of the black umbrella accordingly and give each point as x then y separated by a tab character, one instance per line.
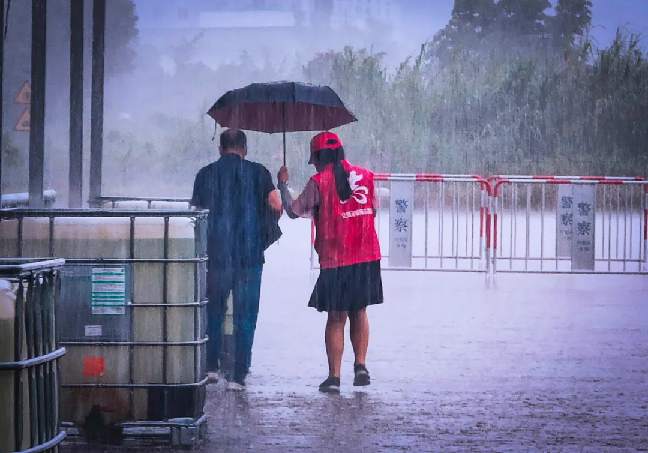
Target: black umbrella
281	107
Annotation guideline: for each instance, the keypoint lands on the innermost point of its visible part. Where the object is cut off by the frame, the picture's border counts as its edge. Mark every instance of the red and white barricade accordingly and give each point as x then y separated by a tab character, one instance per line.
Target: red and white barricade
569	224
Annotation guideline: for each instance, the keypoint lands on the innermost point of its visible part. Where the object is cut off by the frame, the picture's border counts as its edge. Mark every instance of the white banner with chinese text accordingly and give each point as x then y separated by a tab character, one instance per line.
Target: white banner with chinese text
564	220
583	209
400	223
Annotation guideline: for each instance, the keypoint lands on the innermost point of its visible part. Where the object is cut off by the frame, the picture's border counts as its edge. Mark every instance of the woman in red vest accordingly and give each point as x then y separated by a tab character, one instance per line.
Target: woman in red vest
340	199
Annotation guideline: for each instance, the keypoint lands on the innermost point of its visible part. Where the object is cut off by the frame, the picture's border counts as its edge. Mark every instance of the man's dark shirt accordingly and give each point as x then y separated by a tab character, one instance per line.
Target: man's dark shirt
235	191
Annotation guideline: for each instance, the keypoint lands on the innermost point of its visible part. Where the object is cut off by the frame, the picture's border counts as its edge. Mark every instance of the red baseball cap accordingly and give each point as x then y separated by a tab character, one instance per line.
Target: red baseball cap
324	140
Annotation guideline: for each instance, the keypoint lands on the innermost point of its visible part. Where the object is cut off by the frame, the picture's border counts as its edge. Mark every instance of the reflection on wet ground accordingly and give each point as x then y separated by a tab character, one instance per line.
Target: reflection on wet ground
502	416
290	420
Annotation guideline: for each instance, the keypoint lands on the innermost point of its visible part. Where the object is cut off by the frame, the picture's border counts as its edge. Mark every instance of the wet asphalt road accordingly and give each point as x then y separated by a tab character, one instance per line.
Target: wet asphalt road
530	363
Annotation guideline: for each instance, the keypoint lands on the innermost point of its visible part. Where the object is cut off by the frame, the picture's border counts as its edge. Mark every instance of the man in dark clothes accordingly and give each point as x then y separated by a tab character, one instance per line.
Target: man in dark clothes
237	193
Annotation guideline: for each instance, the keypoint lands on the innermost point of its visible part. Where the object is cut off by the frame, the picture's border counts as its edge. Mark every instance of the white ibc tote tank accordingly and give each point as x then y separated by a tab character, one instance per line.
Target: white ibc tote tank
142	361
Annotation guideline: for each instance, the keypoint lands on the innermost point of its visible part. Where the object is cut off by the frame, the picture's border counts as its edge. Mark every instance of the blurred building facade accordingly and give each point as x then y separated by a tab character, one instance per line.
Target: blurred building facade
206	14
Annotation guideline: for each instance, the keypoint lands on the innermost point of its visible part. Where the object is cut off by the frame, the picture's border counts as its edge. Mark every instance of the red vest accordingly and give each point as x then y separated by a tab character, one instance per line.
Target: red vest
345	231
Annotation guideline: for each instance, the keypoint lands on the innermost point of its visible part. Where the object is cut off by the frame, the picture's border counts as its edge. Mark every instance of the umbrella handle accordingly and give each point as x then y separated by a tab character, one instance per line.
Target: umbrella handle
284	148
283	115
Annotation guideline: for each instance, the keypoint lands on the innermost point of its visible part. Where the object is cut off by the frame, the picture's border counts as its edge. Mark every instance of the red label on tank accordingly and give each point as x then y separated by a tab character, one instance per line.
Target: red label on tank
93	366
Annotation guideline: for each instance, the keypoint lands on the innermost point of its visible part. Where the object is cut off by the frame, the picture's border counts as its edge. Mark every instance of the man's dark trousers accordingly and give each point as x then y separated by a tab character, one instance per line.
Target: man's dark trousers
245	285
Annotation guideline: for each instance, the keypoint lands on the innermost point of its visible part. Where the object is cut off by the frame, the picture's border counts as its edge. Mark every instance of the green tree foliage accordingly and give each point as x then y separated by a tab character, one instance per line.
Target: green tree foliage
520	18
511	26
572	19
470	23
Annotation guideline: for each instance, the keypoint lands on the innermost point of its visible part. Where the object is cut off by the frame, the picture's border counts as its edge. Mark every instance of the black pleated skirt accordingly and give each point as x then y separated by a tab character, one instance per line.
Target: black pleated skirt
348	288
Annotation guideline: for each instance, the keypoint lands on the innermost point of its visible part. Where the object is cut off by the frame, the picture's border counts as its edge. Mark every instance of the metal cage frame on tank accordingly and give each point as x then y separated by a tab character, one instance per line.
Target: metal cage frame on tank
30	420
153	407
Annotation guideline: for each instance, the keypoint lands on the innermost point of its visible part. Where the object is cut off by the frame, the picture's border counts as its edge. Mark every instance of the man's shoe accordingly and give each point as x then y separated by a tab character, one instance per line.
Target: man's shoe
330	385
237	384
361	377
212	377
234	386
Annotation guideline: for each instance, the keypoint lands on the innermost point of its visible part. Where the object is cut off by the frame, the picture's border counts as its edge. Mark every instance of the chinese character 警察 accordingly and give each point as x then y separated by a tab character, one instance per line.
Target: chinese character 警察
566	202
584	228
567	219
400	225
401	205
584	209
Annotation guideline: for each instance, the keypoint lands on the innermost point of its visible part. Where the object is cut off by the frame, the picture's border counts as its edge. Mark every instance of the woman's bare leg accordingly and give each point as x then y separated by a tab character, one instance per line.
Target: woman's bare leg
334	339
359	334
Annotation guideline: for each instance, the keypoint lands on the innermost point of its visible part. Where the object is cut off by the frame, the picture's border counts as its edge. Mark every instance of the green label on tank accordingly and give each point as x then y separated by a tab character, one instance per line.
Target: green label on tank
108	291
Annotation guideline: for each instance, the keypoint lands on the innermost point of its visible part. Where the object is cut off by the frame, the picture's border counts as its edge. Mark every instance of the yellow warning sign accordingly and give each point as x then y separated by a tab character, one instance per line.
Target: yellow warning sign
24	95
24	122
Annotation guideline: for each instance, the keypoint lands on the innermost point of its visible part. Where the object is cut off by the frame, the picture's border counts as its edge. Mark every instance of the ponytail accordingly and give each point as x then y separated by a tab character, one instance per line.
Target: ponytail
341	181
336	157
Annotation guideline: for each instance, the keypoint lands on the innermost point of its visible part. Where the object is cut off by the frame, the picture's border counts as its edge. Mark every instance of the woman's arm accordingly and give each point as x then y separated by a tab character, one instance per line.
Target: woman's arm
305	204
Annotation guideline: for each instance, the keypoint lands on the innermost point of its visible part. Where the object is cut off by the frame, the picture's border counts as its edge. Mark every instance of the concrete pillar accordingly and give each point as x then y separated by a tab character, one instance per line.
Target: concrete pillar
75	197
37	126
2	27
97	103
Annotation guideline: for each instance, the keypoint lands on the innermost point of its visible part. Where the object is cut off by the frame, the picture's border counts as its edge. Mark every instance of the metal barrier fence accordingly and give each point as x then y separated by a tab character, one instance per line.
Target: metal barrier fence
566	224
512	223
29	379
441	222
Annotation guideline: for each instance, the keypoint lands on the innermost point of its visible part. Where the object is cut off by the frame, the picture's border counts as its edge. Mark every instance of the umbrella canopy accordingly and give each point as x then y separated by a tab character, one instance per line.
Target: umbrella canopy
281	107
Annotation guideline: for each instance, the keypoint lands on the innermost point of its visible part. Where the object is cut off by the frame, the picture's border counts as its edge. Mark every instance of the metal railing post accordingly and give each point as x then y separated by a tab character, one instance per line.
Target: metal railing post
37	128
494	206
97	102
2	45
75	174
645	205
488	231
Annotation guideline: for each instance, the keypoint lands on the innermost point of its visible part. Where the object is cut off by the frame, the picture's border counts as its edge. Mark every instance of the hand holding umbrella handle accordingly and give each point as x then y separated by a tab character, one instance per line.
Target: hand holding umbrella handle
282	175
